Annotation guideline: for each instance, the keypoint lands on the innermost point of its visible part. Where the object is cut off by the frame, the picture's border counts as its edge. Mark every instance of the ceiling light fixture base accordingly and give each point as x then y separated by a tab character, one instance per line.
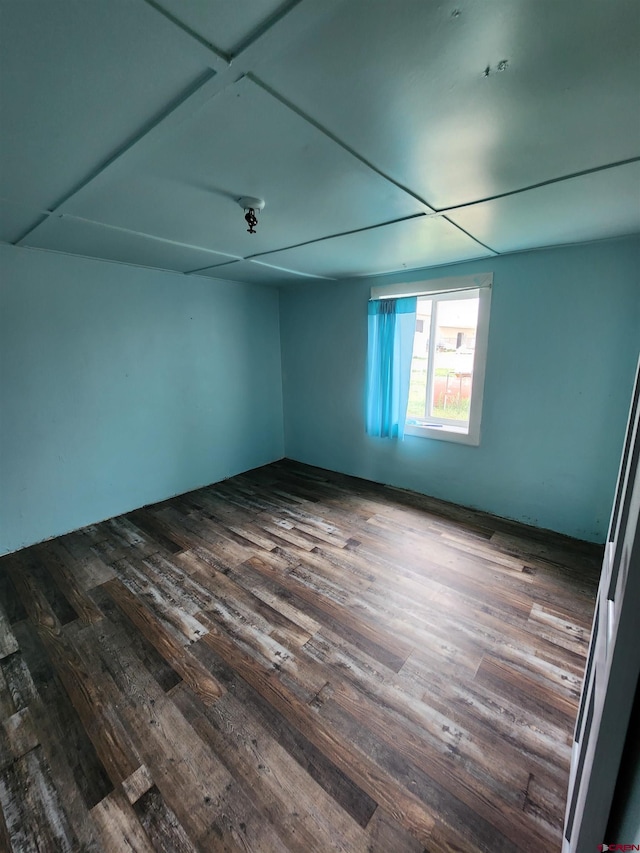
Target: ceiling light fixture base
248	202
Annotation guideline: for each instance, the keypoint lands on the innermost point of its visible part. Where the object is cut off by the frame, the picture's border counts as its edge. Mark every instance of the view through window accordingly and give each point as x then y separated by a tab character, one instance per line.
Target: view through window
443	361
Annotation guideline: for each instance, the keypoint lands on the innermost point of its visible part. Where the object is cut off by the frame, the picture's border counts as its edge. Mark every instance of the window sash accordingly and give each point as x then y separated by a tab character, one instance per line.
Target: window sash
451	431
436	298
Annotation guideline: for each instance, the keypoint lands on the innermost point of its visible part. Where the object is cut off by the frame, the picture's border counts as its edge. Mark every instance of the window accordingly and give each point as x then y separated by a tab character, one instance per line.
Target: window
440	390
449	352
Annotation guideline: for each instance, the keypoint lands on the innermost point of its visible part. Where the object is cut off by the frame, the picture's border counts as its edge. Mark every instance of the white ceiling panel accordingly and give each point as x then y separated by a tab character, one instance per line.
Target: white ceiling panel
65	234
404	84
244	142
224	23
255	273
421	242
602	204
80	78
16	220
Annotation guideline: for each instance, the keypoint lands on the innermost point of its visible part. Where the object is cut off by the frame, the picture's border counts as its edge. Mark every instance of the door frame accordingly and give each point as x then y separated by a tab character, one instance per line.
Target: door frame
613	664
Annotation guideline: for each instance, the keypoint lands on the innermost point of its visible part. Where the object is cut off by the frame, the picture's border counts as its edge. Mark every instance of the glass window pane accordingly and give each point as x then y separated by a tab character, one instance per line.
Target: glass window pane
455	342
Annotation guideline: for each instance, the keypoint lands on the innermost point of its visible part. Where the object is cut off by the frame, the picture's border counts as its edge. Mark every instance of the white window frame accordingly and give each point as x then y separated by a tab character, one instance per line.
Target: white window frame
452	287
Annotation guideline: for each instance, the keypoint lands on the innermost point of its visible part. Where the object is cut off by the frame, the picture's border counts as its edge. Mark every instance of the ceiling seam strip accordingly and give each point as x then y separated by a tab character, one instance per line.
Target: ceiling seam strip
444	210
187	30
261	29
33	209
240	47
96	258
213	267
338	234
295	272
222	267
475	239
330	135
154	237
192	92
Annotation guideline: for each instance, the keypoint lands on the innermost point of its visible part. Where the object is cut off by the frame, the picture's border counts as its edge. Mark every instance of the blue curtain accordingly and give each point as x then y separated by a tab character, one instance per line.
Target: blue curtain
392	325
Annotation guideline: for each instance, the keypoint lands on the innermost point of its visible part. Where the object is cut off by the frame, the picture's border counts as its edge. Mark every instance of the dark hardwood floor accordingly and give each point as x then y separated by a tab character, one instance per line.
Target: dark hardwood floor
291	660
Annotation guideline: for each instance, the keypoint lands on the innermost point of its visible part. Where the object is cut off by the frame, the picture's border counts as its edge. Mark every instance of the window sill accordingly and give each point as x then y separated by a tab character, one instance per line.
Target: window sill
444	432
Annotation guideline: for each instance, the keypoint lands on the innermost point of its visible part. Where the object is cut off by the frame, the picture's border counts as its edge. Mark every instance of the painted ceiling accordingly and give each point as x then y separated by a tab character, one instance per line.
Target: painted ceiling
383	135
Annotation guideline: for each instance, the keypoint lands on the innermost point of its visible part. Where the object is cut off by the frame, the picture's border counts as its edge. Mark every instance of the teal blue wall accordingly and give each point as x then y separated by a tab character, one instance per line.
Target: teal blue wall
121	386
563	342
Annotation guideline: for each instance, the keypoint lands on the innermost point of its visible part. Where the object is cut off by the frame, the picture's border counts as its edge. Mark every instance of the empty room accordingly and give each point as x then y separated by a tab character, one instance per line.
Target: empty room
319	414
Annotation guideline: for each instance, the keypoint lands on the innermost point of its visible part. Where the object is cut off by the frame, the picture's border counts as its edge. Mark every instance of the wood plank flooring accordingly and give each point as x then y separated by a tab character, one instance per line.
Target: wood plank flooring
291	660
